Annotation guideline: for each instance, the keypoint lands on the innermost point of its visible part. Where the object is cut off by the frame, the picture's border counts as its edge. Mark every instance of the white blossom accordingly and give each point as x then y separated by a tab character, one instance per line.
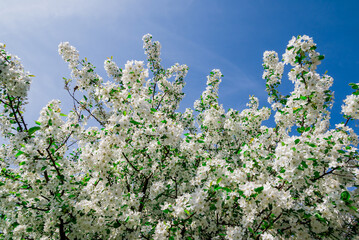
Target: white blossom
124	163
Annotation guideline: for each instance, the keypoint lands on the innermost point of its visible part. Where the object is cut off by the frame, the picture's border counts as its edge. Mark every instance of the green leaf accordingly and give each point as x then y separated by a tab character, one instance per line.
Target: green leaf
187	212
19	153
15	224
289	48
259	189
219	180
320	218
134	122
304	164
312	145
345	196
296	141
22	163
227	189
38	123
62	114
301	129
354	85
297	110
33	129
320	57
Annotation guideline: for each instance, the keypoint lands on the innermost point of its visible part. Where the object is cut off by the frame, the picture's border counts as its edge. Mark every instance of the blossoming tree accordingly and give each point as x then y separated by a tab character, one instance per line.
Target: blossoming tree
146	171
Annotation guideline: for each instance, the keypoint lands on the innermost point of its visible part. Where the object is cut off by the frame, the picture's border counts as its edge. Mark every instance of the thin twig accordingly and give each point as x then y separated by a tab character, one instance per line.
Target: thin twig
128	161
73	97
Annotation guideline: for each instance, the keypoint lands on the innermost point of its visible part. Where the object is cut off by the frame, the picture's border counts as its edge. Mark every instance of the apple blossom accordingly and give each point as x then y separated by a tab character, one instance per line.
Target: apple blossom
126	164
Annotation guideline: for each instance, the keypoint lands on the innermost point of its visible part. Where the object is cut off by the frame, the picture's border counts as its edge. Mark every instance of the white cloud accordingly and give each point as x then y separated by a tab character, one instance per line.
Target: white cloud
15	11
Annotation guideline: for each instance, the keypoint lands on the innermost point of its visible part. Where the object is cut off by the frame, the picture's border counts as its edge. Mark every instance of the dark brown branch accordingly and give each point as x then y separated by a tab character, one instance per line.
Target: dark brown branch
260	224
54	165
36	208
33	207
324	174
46	176
159	103
289	187
5	58
276	219
210	197
176	187
144	189
128	161
154	91
22	118
45	198
347	121
62	230
15	114
73	97
64	142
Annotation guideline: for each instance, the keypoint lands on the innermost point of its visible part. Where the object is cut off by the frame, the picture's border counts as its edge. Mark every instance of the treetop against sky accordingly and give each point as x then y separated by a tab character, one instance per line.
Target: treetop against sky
122	153
230	36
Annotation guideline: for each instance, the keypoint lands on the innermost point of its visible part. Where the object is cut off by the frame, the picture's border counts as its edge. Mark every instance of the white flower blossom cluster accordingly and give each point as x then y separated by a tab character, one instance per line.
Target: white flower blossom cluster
125	164
84	75
153	50
351	106
113	71
69	54
15	80
273	69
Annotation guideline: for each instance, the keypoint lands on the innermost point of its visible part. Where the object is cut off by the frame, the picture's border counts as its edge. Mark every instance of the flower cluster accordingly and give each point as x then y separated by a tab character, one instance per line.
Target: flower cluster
13	79
351	107
126	164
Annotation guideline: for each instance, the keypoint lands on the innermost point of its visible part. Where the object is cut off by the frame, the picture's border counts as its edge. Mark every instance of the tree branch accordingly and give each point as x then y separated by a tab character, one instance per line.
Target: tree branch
144	189
128	161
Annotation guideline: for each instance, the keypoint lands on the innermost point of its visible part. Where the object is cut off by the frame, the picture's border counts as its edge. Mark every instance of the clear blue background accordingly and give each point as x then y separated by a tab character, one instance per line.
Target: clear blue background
229	35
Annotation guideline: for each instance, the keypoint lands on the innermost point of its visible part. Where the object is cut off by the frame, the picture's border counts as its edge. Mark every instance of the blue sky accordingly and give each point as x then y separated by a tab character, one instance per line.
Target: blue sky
229	35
